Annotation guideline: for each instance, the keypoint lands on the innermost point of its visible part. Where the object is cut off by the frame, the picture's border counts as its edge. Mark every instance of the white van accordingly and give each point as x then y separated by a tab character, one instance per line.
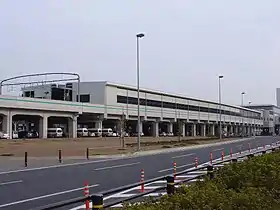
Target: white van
107	132
95	131
82	132
55	132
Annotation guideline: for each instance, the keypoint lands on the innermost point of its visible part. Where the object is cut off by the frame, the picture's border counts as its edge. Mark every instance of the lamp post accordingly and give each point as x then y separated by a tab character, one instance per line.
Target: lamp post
220	106
138	36
242	99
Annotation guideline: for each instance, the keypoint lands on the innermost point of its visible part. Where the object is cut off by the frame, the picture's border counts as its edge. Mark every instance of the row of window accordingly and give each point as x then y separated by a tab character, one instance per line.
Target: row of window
169	105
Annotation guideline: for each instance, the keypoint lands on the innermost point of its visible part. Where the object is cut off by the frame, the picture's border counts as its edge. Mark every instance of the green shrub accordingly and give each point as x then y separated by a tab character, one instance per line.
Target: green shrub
253	184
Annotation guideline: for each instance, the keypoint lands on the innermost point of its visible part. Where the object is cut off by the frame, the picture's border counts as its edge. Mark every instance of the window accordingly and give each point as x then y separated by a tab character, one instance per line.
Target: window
27	94
153	103
122	99
203	109
84	98
131	100
168	105
143	102
182	107
193	108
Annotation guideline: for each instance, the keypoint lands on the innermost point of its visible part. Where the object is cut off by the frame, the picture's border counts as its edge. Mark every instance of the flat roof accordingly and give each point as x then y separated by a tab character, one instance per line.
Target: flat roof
128	87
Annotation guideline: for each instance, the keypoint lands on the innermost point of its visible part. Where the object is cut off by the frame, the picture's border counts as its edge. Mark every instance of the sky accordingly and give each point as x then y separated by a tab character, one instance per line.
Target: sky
187	44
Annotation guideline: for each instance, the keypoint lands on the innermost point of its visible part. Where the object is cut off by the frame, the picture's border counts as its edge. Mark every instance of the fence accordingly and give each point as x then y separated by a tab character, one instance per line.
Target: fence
97	199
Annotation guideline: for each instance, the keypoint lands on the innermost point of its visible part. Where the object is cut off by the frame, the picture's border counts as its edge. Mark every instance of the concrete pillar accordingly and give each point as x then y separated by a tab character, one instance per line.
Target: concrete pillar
98	124
170	127
183	129
155	129
5	124
231	129
203	130
43	127
194	129
212	130
8	125
72	123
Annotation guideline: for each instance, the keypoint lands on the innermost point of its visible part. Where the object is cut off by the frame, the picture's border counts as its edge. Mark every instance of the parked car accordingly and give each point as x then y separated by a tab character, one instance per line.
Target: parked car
163	134
170	134
4	135
33	134
55	132
15	135
82	132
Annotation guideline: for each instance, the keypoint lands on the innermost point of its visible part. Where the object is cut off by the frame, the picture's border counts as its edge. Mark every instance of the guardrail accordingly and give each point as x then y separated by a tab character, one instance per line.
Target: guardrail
97	199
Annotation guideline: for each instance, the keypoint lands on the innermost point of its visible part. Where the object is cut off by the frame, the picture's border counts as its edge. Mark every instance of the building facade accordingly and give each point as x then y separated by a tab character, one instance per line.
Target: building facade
270	117
198	117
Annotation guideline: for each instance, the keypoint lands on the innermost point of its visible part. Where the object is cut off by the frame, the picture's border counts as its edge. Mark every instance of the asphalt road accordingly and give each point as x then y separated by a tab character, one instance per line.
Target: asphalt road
34	188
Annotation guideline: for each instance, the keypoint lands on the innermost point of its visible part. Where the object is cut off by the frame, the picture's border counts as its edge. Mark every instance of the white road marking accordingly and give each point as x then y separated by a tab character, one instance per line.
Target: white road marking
11	182
147	187
187	176
170	169
218	149
186	155
240	145
57	166
123	195
45	196
117	166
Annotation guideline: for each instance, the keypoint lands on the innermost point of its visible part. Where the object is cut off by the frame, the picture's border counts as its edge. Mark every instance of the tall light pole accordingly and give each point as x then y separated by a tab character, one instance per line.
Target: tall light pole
220	106
242	99
138	36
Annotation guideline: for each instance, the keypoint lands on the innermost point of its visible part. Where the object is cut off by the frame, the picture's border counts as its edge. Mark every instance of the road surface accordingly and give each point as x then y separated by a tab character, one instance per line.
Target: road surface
27	189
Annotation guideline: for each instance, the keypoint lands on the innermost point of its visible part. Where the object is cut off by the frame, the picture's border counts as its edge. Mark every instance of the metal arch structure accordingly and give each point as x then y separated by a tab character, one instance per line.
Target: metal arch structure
77	78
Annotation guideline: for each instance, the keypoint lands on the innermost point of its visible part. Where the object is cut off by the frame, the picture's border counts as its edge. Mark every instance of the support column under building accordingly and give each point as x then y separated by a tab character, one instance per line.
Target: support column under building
212	130
203	130
194	129
183	129
98	124
8	124
170	127
155	129
231	129
43	127
72	123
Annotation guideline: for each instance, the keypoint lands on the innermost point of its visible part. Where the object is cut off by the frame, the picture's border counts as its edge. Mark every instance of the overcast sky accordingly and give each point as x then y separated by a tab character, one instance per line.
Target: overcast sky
187	43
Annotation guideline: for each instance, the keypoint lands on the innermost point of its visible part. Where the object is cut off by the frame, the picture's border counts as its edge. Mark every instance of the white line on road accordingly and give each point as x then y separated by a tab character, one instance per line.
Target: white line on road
186	155
117	166
240	145
170	169
45	196
58	166
11	182
215	150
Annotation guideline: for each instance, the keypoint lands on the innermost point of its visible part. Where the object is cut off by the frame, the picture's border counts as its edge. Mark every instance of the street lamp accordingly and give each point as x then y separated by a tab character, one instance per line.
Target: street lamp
242	99
220	109
138	36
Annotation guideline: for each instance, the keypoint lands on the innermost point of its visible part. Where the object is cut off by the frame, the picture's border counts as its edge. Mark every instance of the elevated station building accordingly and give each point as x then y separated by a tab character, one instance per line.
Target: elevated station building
103	104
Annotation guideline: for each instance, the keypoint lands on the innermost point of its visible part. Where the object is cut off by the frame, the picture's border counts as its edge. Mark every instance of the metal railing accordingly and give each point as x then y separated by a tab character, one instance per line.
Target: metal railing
97	199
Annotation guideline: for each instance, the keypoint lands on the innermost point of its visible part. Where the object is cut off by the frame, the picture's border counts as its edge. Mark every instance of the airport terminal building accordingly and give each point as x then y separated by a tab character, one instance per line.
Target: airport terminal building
104	104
